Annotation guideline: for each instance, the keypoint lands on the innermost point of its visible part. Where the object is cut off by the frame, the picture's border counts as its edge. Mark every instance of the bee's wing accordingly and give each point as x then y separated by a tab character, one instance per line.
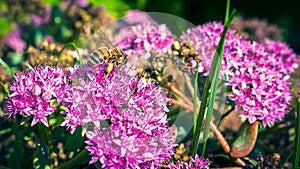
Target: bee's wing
105	41
97	40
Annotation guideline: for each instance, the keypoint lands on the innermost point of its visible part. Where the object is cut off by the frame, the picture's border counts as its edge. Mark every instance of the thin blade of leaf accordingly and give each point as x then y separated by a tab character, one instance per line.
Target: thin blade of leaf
210	87
7	67
195	97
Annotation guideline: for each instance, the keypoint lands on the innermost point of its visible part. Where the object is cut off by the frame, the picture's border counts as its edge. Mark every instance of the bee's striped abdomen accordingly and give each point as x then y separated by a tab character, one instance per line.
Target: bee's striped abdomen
98	56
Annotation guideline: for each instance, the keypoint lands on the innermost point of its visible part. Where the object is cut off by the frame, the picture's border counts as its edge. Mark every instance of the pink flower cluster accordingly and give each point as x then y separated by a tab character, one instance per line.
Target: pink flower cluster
38	93
45	18
89	104
144	39
283	58
137	134
197	163
14	40
205	38
116	150
259	73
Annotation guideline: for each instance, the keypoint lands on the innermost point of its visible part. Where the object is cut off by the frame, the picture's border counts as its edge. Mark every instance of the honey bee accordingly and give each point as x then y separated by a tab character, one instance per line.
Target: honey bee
109	52
160	77
181	53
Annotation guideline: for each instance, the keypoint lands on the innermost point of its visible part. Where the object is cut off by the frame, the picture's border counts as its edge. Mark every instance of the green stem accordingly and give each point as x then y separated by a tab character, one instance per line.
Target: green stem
288	157
70	44
297	142
77	159
227	112
7	67
195	98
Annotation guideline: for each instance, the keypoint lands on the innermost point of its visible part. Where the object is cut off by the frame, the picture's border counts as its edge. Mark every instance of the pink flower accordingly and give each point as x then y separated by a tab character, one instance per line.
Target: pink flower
258	73
262	93
14	41
116	150
144	40
205	38
286	59
33	93
39	20
82	3
137	134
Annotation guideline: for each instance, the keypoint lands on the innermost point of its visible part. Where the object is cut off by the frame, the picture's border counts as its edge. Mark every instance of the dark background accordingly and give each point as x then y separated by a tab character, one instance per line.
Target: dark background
285	14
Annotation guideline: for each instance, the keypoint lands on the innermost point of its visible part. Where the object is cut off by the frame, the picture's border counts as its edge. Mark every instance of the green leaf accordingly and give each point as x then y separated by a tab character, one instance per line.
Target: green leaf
74	141
44	132
116	8
80	157
15	58
297	141
141	4
16	159
195	98
41	157
52	2
56	15
5	131
7	67
38	36
3	6
4	28
245	141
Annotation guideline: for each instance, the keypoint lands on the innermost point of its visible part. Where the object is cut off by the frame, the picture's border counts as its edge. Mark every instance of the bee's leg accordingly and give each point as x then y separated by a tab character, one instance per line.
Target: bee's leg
109	68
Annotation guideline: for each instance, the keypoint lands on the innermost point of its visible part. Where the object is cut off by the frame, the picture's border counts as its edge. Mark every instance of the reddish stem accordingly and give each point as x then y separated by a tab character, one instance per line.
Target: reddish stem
180	94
